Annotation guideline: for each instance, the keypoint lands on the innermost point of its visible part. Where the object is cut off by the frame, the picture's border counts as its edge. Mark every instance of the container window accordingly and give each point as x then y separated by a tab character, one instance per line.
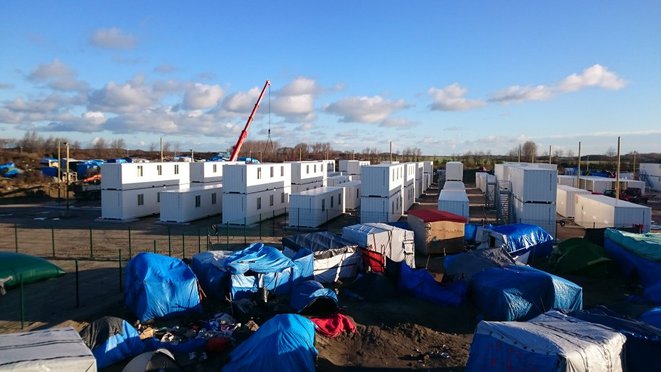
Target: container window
323	205
339	200
272	172
315	168
259	173
176	169
159	170
307	169
215	169
282	171
282	197
158	197
259	203
198	201
213	198
332	198
140	171
271	200
141	199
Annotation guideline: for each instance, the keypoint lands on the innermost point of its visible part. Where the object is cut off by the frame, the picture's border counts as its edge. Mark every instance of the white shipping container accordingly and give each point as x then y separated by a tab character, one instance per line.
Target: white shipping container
565	200
352	167
313	208
392	242
409	173
454	185
454	201
428	166
567	180
132	203
208	171
596	184
652	173
419	179
632	184
191	203
382	180
599	211
351	194
253	178
532	184
481	180
499	171
297	188
426	180
239	209
375	209
409	196
540	214
126	176
330	165
303	172
337	180
454	171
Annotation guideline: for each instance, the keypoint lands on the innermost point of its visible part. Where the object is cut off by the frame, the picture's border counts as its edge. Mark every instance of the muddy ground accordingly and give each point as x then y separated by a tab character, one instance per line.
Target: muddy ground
394	332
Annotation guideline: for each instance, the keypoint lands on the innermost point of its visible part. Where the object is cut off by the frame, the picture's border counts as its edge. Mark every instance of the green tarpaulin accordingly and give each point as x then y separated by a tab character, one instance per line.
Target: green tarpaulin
647	246
13	266
581	257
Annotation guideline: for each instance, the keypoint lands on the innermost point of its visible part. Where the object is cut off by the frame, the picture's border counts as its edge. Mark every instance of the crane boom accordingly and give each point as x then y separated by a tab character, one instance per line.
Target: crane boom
244	132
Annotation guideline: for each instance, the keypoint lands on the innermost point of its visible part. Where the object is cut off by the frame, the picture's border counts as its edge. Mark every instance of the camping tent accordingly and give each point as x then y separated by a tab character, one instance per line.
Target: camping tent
551	342
465	265
159	286
283	343
17	266
437	231
521	241
55	349
160	360
522	292
379	241
581	257
310	297
334	257
209	268
111	340
420	283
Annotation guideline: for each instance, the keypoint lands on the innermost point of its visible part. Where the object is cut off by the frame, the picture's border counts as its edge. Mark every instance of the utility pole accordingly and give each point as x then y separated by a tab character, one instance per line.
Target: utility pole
67	175
161	149
59	171
617	176
578	171
549	154
519	153
391	152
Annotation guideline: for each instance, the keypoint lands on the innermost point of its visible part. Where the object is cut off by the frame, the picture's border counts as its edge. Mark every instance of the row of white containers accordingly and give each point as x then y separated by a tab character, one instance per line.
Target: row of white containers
599	211
454	171
352	167
453	198
599	184
313	208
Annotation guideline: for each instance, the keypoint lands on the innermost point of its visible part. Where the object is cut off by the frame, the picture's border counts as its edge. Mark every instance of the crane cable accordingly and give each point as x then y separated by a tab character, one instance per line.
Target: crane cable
268	139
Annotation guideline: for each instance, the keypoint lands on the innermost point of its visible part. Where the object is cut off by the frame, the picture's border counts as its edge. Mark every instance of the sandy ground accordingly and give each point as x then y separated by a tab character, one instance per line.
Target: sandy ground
398	332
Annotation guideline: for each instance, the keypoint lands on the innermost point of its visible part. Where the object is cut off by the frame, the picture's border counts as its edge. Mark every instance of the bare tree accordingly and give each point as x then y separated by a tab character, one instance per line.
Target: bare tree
529	151
558	153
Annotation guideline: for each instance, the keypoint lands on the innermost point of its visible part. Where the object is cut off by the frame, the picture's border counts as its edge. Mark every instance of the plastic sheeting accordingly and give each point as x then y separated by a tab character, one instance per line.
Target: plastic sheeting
258	258
643	340
112	340
581	257
522	238
647	246
549	343
652	316
209	268
392	242
32	269
420	283
159	286
283	343
465	265
522	292
312	293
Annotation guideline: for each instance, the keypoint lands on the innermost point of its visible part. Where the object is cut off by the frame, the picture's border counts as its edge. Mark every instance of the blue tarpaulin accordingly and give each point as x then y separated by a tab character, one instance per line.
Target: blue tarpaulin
522	292
283	343
159	286
111	340
420	283
209	267
652	317
470	231
258	258
309	292
522	238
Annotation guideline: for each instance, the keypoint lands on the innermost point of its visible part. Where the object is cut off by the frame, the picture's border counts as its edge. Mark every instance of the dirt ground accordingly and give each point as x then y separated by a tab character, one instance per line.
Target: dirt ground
394	332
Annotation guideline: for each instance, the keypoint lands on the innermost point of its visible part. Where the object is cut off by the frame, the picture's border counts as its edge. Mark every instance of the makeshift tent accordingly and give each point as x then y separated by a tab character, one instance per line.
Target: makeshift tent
310	297
264	267
581	257
160	360
379	241
639	258
551	342
283	343
159	286
111	340
420	283
643	340
653	317
335	258
437	231
14	266
522	241
465	265
209	268
522	292
55	349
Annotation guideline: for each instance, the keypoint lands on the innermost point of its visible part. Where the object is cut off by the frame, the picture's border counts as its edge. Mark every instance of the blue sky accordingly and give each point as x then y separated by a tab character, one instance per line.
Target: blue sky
444	76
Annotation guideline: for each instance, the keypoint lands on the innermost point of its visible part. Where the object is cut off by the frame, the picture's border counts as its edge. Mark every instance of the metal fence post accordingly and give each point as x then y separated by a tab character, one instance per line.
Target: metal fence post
130	254
154	245
120	270
16	237
183	245
199	241
228	235
169	243
91	244
52	239
77	287
245	238
273	224
260	226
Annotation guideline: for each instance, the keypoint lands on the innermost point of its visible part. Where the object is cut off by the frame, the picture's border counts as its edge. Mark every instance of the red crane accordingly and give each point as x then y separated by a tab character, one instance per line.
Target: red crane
244	133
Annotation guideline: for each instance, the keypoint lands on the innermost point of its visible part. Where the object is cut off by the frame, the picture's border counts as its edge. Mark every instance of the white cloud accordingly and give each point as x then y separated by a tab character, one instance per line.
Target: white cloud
112	38
451	98
58	76
202	96
241	102
88	122
373	109
132	96
300	86
396	123
518	93
295	102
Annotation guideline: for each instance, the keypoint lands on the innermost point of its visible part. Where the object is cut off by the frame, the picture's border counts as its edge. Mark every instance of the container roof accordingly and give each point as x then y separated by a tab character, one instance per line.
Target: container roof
433	215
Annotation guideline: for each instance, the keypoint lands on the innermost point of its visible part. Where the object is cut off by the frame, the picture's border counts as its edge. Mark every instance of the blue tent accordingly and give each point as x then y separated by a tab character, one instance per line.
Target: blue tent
522	292
111	340
310	294
652	316
522	239
159	286
283	343
420	283
209	267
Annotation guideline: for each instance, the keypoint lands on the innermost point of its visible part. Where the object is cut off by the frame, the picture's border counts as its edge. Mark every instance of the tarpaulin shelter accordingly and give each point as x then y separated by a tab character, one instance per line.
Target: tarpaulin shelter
335	258
652	316
111	340
581	257
524	242
380	241
466	264
420	283
159	286
522	292
550	342
283	343
437	231
209	268
17	266
643	340
310	297
55	349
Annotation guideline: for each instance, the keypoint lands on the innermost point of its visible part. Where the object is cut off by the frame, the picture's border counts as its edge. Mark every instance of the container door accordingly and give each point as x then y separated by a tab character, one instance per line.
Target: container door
409	252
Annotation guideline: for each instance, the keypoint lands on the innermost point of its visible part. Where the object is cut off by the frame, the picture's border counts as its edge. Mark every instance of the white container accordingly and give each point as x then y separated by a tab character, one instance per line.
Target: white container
499	171
208	171
540	214
454	185
426	180
599	211
596	184
375	209
652	173
329	165
239	209
409	173
351	194
253	178
565	200
532	184
481	180
133	203
303	172
419	180
127	176
297	188
454	171
454	201
382	180
409	196
567	180
352	167
191	203
392	242
632	184
428	166
337	180
313	208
